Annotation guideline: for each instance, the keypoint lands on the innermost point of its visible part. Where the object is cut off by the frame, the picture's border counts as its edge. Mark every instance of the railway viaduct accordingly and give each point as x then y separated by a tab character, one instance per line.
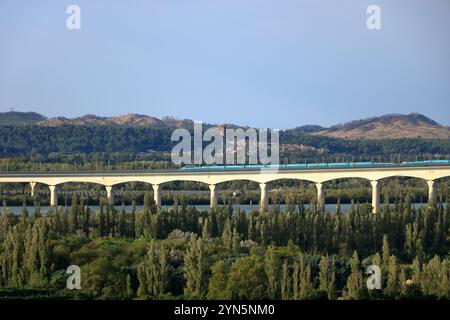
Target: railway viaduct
262	176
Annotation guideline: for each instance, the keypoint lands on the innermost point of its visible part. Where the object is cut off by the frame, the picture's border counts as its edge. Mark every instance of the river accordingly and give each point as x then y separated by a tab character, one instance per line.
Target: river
246	207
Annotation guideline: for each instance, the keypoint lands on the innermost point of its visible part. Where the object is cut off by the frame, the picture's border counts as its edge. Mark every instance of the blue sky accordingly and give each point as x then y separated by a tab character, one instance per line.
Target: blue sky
265	63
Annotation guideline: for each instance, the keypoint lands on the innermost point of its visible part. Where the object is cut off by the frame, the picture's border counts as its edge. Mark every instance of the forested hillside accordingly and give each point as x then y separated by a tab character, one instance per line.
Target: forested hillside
35	140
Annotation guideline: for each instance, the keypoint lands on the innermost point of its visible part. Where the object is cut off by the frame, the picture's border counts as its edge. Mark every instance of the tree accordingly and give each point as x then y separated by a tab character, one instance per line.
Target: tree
206	230
218	282
227	235
409	240
392	285
194	269
129	288
101	222
11	258
285	282
327	277
302	284
235	240
153	272
121	223
306	286
247	279
271	268
132	224
355	280
416	271
385	251
435	278
74	215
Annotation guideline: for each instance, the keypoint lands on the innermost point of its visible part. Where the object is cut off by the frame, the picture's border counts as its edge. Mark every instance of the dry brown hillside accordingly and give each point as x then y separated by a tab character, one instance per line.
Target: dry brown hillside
392	126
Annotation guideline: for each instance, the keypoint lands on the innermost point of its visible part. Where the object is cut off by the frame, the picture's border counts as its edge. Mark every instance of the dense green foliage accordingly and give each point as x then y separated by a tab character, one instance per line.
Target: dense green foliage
26	140
225	254
107	143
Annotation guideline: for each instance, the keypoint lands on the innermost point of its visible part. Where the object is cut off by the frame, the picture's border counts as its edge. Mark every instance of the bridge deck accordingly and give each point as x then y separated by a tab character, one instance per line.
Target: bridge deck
112	173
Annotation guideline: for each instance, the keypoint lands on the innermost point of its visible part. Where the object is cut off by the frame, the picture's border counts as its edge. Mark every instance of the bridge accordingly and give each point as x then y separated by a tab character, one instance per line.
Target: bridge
318	176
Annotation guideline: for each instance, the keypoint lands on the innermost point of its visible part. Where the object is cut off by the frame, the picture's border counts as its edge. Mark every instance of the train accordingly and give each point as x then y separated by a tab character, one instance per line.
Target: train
368	164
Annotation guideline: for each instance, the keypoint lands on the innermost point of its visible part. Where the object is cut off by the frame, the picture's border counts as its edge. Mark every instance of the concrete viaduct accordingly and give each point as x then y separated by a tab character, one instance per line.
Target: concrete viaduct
318	176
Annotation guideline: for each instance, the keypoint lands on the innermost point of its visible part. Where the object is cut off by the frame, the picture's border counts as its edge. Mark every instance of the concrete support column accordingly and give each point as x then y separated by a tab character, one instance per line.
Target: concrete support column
53	196
264	202
109	194
431	192
213	196
32	186
320	196
375	196
156	195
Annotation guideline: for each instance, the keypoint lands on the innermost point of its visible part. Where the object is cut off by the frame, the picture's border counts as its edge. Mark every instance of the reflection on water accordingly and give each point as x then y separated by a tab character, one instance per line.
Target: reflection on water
245	207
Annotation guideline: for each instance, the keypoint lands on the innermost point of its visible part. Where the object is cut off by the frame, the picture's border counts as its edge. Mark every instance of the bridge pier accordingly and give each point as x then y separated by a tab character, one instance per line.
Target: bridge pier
375	196
213	196
320	196
109	195
53	196
32	186
431	192
264	202
156	195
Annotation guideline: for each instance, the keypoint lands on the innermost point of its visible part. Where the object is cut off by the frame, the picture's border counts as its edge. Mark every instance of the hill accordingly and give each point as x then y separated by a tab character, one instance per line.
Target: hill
391	126
15	118
33	135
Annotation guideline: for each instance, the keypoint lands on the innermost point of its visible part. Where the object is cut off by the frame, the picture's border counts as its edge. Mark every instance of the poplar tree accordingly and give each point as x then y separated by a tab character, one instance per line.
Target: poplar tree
132	224
217	287
301	283
194	269
306	286
121	222
235	240
296	281
435	278
271	268
416	272
129	288
327	277
227	235
206	229
11	258
392	285
409	241
74	213
355	280
153	272
385	251
86	221
101	222
251	228
285	281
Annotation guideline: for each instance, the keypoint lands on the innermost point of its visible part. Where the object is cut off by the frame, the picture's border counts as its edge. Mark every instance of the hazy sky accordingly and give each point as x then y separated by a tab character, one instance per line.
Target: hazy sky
265	63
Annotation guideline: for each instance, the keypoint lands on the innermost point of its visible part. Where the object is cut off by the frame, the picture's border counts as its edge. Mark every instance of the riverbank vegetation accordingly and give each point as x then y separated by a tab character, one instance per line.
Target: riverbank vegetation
226	254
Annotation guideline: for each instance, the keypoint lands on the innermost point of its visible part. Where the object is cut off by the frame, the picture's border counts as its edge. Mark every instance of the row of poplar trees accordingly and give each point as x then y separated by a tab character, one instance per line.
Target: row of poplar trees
225	253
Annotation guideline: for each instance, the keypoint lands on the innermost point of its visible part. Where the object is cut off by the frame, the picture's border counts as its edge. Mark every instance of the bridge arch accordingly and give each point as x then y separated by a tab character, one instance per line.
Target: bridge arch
356	188
417	188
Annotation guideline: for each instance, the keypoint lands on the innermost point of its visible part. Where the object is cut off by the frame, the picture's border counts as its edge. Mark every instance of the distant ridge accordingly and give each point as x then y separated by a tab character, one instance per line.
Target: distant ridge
90	119
390	126
15	118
